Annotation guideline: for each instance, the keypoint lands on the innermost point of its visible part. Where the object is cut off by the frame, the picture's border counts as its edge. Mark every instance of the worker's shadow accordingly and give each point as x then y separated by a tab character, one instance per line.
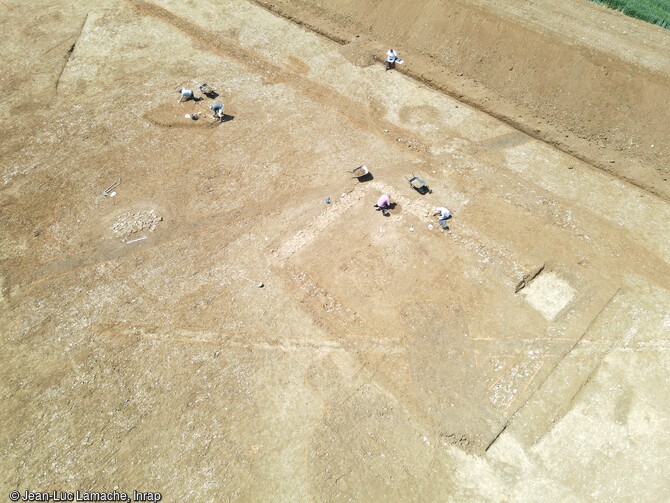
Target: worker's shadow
385	211
226	118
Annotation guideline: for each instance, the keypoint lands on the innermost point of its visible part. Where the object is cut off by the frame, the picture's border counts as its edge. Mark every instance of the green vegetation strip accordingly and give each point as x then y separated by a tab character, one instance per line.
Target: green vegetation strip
652	11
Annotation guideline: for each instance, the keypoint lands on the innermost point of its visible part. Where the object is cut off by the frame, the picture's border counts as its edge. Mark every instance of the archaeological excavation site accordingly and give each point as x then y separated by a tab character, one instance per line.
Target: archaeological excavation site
336	251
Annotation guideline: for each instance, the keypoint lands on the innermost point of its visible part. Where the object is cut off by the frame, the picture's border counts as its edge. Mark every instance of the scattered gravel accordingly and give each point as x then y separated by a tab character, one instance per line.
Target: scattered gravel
135	221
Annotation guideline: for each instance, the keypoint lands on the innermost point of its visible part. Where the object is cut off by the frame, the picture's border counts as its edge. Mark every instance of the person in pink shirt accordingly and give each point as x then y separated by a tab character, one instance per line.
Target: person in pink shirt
384	204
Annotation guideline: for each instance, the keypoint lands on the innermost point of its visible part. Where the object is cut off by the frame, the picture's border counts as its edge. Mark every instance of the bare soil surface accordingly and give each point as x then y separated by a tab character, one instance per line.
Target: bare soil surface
577	75
216	311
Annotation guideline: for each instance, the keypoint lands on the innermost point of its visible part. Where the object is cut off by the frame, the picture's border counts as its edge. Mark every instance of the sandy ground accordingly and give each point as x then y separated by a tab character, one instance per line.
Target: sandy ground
521	355
588	80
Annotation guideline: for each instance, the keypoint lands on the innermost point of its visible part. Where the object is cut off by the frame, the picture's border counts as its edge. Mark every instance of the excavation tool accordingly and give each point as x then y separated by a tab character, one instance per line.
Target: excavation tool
361	172
136	240
259	285
208	91
418	184
109	190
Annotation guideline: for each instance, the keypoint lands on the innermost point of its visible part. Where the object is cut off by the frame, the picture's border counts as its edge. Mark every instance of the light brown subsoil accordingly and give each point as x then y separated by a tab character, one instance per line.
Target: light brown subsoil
522	355
586	79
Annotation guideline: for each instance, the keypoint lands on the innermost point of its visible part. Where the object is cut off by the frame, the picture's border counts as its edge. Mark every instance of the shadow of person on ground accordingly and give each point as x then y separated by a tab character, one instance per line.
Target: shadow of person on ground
225	118
386	209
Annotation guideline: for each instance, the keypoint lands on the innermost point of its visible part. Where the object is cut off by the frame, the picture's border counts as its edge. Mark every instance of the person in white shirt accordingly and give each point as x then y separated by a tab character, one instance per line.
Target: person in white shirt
443	215
391	58
185	95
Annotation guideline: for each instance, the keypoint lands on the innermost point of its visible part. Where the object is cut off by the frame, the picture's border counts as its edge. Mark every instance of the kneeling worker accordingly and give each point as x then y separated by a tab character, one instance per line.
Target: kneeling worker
185	95
443	215
384	204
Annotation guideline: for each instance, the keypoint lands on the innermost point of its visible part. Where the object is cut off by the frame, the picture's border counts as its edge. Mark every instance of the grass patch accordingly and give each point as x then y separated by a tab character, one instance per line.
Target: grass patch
652	11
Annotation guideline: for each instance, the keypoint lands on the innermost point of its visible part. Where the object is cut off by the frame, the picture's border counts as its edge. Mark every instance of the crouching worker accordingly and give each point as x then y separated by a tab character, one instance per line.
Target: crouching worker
384	204
443	215
185	95
217	109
